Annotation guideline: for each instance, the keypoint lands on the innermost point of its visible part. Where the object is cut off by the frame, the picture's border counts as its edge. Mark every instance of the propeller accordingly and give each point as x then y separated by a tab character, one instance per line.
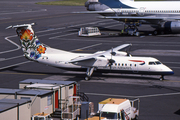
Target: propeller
128	50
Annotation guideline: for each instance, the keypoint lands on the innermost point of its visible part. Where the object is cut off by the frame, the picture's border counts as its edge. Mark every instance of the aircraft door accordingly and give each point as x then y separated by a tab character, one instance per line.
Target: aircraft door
141	11
135	68
122	115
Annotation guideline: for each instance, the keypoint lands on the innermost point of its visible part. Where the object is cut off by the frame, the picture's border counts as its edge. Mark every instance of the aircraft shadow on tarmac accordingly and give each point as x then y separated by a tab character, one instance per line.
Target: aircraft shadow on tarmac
78	76
177	112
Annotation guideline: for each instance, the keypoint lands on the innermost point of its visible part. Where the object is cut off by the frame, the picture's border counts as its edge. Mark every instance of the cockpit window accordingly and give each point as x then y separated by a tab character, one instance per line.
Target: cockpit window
152	63
155	63
101	56
158	62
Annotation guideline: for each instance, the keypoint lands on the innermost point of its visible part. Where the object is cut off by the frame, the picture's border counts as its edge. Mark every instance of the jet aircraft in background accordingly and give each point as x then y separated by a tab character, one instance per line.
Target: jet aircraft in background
114	60
162	15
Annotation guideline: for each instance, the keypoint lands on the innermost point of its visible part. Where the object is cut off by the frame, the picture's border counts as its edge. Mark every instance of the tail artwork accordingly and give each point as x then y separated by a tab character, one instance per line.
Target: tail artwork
30	44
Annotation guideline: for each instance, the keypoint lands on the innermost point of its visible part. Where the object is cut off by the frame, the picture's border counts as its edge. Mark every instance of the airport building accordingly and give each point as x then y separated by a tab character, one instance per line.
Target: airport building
61	89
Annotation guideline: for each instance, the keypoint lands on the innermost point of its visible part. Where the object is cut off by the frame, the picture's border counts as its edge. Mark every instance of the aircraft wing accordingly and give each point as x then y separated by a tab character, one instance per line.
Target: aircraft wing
91	61
140	18
97	58
119	48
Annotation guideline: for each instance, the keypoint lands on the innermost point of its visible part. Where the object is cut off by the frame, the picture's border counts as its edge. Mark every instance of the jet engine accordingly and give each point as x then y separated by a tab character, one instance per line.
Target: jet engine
94	5
172	27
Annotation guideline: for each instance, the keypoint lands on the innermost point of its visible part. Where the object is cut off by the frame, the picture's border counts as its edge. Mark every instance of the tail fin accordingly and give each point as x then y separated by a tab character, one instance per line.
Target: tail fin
30	44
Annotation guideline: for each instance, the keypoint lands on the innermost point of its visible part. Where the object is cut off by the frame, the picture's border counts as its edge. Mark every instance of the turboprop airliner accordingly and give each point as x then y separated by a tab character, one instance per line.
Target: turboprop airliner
114	60
162	15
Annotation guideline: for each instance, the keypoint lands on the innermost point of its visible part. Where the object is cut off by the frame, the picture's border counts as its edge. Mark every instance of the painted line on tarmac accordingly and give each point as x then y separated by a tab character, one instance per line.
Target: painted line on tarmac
172	62
14	65
126	96
66	30
9	73
174	67
18	46
87	47
56	33
119	41
171	81
63	35
37	18
73	33
70	26
20	12
5	59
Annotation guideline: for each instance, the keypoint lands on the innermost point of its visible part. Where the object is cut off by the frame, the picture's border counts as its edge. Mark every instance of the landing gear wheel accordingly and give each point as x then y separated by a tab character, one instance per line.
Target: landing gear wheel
137	34
87	78
89	73
161	78
155	32
136	118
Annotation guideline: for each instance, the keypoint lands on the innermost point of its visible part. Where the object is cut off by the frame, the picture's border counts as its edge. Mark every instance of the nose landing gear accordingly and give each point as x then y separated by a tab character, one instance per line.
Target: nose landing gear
161	78
89	73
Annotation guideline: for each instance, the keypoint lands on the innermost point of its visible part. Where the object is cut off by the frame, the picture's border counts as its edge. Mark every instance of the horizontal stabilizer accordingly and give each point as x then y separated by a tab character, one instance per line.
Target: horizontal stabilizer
19	26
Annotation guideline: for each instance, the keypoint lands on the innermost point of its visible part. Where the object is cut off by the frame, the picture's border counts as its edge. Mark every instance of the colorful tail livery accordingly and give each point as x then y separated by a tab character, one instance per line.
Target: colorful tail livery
30	44
113	60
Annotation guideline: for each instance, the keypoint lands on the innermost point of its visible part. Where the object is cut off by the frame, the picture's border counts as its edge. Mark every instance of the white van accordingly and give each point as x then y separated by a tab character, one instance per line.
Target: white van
119	109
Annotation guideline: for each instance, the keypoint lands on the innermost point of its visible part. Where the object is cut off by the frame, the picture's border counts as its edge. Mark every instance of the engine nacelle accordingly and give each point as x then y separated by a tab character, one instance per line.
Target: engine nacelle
173	27
94	6
121	53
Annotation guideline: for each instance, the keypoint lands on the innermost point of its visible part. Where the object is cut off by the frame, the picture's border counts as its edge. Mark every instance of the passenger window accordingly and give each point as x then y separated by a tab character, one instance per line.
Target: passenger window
135	65
119	64
125	64
130	64
122	64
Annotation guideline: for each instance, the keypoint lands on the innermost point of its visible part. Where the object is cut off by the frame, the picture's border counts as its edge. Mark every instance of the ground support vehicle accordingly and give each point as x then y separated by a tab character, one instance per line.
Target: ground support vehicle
41	116
118	109
89	31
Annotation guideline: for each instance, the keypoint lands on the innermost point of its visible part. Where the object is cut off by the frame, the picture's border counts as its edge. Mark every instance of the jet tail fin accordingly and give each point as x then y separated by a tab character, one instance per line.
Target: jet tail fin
30	44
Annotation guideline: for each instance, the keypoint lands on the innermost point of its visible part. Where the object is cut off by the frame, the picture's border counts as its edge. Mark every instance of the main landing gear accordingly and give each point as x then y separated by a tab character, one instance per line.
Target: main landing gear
131	29
89	72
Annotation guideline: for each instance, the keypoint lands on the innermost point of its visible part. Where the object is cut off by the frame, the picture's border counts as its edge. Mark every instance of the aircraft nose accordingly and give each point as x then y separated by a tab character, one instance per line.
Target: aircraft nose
167	70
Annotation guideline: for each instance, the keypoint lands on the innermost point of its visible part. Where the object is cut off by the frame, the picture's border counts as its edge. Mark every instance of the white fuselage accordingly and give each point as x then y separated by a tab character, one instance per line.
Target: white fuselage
147	7
122	64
